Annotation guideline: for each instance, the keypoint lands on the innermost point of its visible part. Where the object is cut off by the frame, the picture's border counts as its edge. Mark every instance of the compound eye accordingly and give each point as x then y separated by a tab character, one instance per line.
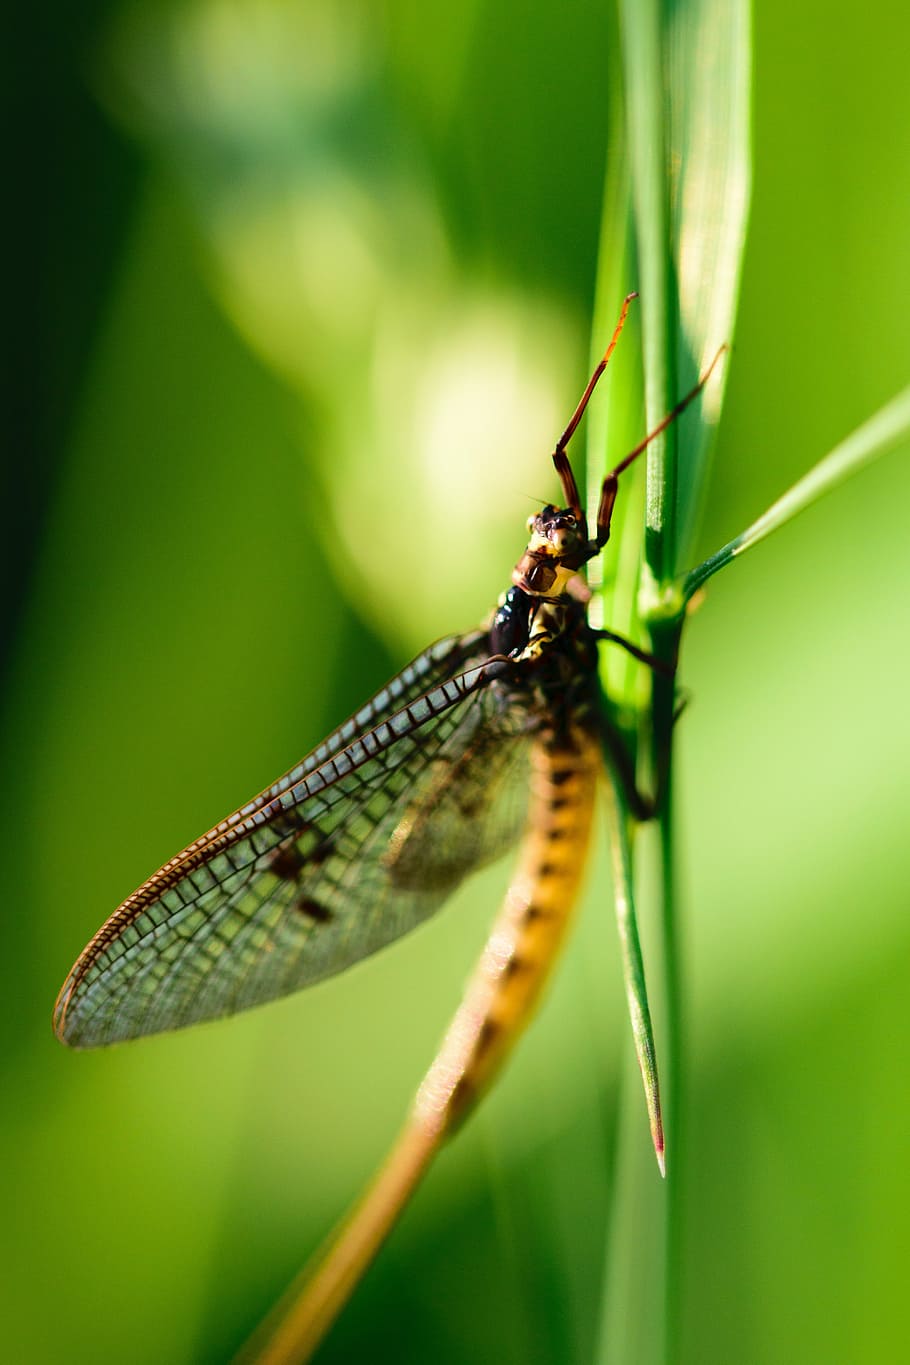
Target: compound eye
569	519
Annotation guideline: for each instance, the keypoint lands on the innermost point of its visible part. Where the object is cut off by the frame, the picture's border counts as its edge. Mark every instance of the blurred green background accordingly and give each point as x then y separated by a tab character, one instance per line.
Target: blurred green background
305	295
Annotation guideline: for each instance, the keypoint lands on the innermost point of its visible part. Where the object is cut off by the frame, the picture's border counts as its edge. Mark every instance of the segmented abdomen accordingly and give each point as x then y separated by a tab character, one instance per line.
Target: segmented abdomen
528	932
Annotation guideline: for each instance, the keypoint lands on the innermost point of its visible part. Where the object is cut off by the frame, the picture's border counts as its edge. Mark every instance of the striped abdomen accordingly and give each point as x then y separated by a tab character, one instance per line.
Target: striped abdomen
527	934
501	994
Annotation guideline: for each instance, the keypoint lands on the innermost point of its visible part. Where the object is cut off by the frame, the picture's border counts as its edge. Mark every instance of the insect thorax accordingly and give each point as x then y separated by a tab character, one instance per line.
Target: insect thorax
551	633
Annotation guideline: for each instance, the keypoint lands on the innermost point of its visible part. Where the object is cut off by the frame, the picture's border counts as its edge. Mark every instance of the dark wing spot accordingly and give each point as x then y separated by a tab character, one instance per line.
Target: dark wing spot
304	848
320	852
286	862
305	905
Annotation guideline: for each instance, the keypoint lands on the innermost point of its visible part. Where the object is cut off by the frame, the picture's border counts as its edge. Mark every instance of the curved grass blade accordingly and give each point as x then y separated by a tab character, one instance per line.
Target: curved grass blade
880	434
620	823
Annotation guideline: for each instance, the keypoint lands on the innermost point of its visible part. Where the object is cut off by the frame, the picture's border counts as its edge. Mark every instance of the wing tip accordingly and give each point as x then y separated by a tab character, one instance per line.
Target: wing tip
61	1010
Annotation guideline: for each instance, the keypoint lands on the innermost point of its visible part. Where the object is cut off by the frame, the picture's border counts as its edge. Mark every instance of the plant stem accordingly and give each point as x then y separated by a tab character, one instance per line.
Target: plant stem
672	1069
633	1327
668	979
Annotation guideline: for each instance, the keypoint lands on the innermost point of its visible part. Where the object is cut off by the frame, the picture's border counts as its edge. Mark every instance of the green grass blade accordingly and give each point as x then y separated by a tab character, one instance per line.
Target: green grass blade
711	145
643	39
686	78
688	89
633	965
614	426
876	437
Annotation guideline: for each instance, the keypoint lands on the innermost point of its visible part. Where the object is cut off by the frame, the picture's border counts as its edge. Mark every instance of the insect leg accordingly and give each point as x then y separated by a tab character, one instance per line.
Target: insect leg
660	665
684	698
642	806
610	483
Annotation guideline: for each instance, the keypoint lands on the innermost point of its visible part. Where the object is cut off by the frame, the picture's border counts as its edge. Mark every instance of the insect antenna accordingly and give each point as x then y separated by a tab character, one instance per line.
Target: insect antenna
611	482
670	417
560	458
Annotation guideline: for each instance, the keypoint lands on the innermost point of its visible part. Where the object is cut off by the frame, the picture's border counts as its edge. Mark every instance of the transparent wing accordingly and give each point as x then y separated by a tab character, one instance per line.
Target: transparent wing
347	851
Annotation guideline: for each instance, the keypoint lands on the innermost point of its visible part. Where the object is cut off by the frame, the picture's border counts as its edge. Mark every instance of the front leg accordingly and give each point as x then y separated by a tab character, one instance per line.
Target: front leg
659	665
621	768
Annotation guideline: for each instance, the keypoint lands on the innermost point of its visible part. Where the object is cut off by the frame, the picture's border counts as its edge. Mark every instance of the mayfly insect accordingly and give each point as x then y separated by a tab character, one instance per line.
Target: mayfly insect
485	739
